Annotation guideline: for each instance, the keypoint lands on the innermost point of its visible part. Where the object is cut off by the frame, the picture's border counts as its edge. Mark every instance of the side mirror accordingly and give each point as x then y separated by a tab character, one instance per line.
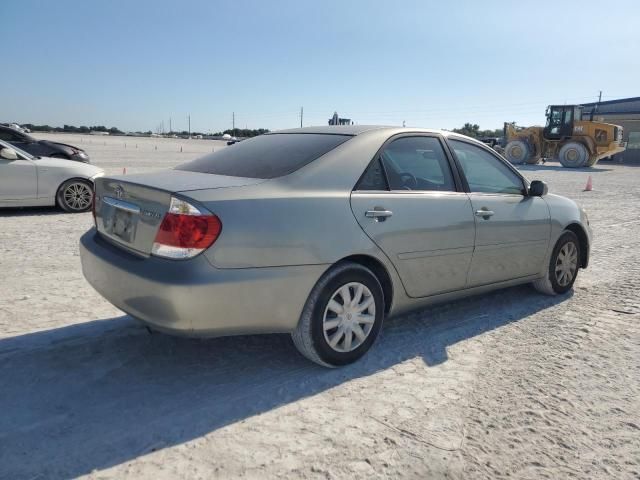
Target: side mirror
8	153
538	189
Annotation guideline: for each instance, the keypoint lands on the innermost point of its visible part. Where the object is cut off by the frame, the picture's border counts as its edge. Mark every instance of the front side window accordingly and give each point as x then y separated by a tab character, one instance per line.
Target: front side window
484	172
266	156
417	163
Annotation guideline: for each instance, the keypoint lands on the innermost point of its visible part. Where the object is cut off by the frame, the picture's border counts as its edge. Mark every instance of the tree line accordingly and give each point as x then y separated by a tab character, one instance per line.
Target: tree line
234	132
73	129
473	130
243	132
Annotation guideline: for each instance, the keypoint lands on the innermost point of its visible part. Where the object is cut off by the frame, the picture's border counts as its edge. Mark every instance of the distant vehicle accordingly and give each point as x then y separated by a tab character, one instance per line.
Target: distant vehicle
566	137
19	128
28	181
42	148
98	132
323	232
491	141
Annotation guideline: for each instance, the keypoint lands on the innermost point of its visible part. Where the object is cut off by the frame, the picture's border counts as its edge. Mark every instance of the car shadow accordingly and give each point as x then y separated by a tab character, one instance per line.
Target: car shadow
30	211
94	395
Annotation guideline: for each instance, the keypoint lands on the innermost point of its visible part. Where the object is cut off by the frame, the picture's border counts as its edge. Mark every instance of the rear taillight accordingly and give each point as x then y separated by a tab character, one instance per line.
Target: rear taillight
185	231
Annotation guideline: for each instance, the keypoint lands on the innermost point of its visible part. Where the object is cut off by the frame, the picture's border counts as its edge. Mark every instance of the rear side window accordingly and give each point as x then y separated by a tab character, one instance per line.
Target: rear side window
266	156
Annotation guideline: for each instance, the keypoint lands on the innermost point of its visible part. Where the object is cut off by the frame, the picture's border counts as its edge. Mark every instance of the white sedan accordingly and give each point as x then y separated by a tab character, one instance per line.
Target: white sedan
28	181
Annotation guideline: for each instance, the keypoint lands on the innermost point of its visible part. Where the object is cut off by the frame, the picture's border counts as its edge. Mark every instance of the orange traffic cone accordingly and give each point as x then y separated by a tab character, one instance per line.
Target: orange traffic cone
124	171
589	186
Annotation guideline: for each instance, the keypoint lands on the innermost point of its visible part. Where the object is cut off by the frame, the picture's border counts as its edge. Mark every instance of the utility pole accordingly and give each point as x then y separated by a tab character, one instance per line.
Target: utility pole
189	120
301	115
600	97
170	129
233	121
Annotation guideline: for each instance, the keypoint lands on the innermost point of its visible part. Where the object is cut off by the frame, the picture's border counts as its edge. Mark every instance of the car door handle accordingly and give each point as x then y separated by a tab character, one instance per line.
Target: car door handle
484	213
378	213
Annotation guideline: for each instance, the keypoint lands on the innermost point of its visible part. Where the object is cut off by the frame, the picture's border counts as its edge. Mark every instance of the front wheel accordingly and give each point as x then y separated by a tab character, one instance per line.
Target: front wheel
563	266
342	317
75	196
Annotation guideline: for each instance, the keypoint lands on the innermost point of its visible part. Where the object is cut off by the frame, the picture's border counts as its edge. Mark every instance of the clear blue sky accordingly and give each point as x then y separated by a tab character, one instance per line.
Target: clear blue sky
133	64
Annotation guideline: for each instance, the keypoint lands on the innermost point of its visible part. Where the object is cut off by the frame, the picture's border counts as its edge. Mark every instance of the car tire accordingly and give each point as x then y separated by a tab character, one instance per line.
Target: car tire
322	331
573	155
564	258
75	195
517	152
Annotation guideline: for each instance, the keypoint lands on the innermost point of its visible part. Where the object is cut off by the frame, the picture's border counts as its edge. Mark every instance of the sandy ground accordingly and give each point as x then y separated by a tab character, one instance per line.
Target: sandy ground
510	385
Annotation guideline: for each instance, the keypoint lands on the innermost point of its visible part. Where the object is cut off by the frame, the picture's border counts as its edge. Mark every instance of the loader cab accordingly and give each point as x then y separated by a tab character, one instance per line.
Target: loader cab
560	120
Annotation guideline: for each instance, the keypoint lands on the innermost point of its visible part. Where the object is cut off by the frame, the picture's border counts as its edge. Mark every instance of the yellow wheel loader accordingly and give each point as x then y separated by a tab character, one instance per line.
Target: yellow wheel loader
566	137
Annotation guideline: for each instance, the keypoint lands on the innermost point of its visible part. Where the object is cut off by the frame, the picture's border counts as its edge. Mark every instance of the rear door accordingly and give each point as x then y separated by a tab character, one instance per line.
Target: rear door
512	228
411	204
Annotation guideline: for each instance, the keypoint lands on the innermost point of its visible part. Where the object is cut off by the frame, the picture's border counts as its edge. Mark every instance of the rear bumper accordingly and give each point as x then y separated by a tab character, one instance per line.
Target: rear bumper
191	297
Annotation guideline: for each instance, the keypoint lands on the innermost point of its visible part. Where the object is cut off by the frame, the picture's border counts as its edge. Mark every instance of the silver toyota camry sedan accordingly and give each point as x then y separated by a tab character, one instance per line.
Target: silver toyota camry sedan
324	232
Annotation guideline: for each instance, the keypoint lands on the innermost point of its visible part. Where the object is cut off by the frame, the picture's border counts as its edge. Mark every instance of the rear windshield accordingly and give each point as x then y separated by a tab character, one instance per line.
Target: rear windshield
266	156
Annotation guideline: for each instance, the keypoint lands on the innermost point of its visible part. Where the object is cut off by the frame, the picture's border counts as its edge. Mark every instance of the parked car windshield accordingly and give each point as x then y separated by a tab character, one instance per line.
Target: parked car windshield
266	156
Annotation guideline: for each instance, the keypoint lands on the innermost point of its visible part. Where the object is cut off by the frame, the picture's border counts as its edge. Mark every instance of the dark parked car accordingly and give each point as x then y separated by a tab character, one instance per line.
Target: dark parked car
41	148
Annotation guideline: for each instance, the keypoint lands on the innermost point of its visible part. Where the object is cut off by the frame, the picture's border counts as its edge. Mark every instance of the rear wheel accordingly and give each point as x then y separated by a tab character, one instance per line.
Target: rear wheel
563	266
75	195
573	155
517	152
342	317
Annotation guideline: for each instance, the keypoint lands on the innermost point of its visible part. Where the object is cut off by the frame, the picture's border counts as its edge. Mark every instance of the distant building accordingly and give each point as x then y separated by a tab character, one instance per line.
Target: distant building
336	120
624	112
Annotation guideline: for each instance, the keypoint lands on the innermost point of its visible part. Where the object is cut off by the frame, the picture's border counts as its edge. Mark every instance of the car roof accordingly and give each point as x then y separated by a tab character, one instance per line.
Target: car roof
356	129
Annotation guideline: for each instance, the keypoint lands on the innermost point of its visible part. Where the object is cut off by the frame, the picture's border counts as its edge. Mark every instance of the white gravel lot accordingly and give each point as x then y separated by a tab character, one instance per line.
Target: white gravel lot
510	385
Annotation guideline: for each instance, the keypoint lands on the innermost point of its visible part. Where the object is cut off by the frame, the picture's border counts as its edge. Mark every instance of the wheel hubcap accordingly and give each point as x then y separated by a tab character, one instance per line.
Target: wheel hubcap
77	196
572	155
566	264
349	317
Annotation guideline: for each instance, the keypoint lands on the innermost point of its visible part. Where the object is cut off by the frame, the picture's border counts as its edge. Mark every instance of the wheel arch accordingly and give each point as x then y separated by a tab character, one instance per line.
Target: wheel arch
381	273
584	242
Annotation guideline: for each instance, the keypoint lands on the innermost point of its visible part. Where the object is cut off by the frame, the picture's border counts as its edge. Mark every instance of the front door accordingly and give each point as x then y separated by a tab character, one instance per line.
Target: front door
409	204
18	179
512	228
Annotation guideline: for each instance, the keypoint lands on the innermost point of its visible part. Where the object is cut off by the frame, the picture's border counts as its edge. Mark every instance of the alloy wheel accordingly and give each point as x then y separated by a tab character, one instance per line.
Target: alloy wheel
77	196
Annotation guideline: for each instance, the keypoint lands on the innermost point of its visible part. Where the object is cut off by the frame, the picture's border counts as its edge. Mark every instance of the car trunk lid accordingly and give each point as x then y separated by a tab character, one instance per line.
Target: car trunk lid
129	209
